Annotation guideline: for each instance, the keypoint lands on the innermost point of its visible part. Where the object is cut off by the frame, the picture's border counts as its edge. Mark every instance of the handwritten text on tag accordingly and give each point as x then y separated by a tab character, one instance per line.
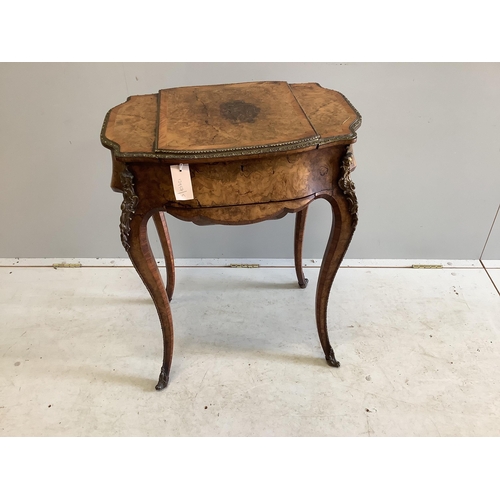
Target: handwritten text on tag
181	180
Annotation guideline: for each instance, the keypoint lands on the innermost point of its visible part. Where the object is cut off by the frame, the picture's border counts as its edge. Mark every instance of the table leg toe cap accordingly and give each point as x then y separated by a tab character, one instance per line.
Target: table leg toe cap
162	381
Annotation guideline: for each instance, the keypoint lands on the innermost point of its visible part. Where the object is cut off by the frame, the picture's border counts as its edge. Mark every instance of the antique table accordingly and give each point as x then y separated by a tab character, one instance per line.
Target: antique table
232	154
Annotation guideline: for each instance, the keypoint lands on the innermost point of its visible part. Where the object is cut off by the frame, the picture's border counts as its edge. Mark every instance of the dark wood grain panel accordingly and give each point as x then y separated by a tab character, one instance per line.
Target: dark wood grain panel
234	116
131	125
331	114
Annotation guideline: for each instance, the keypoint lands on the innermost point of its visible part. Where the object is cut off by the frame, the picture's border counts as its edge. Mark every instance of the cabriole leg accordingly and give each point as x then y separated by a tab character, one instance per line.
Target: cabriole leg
344	220
134	235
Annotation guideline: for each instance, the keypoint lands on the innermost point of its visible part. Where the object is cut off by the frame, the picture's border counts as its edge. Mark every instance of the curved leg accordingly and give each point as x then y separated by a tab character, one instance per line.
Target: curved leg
144	262
134	236
300	222
344	221
166	245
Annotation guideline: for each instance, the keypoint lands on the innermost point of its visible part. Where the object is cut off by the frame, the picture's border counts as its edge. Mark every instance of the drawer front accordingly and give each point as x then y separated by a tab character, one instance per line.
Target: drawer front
244	182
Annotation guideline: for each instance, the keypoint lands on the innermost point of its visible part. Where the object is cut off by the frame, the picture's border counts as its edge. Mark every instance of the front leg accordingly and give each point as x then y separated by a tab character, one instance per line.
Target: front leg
344	220
135	240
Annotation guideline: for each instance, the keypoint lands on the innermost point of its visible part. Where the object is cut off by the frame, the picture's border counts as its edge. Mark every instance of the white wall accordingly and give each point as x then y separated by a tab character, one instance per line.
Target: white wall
428	151
492	246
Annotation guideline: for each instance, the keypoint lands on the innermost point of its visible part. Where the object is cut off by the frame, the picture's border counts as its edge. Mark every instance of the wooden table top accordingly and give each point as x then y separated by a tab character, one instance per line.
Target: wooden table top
234	120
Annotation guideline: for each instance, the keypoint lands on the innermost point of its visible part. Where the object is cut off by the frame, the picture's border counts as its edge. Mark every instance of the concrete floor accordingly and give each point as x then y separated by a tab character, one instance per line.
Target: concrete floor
80	353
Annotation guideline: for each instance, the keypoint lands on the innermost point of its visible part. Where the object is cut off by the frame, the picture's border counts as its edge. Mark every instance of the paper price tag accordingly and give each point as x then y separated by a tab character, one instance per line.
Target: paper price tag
181	180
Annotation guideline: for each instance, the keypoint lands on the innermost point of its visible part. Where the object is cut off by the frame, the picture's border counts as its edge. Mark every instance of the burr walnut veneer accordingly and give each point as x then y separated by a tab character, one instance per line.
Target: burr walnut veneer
254	151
